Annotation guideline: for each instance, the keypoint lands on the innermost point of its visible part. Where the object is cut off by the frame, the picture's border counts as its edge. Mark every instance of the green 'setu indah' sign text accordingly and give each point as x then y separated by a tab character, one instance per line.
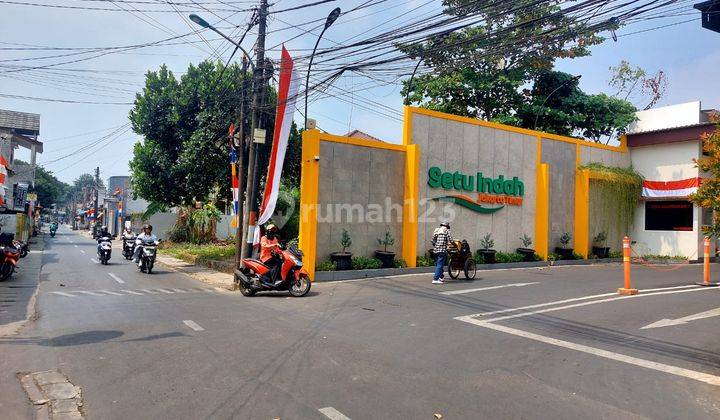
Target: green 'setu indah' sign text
475	183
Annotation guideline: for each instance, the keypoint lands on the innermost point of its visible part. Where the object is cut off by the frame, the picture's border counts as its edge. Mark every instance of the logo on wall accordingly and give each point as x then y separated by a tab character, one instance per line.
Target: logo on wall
489	191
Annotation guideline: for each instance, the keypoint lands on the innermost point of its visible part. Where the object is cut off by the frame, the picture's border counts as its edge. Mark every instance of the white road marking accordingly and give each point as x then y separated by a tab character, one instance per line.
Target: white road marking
333	414
193	325
558	302
87	292
152	292
661	367
593	302
94	260
132	292
179	290
480	289
111	293
116	278
75	246
165	291
82	251
63	294
684	320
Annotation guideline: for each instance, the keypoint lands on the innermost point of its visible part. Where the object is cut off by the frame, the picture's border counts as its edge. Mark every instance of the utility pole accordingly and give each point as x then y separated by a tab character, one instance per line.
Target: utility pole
240	150
97	192
250	217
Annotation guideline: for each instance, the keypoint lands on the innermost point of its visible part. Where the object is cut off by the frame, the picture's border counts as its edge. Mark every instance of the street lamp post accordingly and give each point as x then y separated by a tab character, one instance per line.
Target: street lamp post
205	24
332	17
537	114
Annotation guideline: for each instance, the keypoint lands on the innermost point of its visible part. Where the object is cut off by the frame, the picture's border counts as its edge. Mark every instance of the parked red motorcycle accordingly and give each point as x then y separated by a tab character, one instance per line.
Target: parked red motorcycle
291	277
9	259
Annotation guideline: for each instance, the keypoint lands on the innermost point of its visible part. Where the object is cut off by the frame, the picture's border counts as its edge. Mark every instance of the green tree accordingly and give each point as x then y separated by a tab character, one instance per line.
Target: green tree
484	71
49	189
708	194
637	85
184	155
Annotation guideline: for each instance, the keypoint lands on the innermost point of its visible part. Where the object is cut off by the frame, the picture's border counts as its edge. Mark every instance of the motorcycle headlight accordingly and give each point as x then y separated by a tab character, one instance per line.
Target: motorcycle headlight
295	260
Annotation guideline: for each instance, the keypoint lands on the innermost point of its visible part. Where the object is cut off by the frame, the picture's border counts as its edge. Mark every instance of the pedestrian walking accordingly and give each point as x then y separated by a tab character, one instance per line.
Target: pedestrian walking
441	238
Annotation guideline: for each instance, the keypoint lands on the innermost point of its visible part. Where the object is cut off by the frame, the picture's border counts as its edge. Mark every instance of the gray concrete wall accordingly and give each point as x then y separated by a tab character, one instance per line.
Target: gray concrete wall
561	158
606	157
356	184
470	148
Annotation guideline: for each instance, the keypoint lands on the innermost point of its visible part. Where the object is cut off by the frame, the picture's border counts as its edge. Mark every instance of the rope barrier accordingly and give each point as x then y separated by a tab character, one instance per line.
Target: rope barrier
657	267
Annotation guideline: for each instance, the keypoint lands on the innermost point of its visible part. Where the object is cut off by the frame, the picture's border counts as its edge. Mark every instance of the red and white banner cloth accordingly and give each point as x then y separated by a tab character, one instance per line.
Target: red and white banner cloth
661	189
3	175
287	94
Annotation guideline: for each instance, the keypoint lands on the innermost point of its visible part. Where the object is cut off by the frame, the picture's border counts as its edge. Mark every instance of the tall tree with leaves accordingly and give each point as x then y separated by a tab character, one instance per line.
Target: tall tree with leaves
184	155
482	71
708	194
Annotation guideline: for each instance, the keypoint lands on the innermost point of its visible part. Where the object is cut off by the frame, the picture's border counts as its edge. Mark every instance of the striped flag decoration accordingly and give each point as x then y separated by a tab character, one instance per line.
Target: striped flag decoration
3	174
235	187
661	189
289	82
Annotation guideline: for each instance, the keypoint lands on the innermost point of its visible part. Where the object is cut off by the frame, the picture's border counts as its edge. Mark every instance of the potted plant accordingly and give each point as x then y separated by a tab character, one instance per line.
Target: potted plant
386	257
486	245
527	252
343	260
563	251
599	249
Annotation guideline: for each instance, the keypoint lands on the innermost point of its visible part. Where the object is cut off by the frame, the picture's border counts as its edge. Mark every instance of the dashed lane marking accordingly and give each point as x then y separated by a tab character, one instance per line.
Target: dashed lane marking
82	251
116	278
333	414
193	325
75	246
136	292
94	260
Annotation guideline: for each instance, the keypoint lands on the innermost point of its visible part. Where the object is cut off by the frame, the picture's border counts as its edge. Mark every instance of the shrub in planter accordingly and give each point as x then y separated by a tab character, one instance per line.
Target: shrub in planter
325	266
365	263
599	249
508	257
424	261
527	252
563	251
486	251
343	260
386	257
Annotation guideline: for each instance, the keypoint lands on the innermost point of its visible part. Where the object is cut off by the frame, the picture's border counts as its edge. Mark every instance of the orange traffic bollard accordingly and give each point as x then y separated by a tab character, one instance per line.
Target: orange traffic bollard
706	264
627	287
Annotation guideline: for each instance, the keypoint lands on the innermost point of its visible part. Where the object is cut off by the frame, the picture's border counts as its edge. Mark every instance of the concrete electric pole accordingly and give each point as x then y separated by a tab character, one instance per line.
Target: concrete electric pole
97	192
250	215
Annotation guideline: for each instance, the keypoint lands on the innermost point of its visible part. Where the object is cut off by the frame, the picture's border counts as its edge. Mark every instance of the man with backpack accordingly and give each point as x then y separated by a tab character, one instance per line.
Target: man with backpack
441	239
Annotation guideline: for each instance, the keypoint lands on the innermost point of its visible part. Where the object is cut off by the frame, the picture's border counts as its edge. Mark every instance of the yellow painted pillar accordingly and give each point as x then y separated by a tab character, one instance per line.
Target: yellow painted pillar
582	212
309	182
410	206
542	210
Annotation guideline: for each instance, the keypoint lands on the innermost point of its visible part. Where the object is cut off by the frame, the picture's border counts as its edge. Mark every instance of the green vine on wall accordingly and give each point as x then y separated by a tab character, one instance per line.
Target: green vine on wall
619	190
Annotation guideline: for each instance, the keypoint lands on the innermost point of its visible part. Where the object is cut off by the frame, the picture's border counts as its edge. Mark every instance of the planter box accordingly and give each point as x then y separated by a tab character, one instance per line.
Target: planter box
342	260
601	251
488	255
565	253
527	253
387	258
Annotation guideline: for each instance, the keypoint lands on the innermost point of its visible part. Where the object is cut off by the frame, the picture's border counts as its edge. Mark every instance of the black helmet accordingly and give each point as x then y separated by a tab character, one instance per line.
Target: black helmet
446	224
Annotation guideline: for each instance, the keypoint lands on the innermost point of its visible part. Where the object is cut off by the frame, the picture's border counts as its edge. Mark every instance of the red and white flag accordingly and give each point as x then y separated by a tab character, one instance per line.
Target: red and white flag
680	188
287	94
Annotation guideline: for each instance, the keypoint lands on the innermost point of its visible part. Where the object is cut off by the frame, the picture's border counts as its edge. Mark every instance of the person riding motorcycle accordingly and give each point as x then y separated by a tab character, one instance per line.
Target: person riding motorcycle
128	234
269	248
102	234
145	236
54	225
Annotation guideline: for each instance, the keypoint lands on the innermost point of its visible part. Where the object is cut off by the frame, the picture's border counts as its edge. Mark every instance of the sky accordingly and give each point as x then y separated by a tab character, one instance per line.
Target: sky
76	134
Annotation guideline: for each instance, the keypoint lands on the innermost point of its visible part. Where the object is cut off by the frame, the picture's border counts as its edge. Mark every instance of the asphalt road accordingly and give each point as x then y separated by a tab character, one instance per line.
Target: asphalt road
538	343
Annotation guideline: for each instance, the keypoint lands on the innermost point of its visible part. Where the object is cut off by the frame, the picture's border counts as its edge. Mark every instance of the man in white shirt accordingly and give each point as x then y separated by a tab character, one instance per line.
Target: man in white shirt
145	237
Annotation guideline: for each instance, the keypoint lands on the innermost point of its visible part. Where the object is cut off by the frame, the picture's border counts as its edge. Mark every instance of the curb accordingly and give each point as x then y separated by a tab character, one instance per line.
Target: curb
322	276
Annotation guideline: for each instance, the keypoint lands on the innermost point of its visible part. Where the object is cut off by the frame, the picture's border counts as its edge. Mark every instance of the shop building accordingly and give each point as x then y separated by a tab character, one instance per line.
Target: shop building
663	143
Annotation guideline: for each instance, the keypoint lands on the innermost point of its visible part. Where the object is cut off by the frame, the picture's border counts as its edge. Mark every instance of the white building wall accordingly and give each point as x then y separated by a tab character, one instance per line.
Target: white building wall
666	162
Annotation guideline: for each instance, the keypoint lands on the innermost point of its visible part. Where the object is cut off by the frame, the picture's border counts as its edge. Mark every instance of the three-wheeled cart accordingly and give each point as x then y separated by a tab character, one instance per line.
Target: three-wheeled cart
460	258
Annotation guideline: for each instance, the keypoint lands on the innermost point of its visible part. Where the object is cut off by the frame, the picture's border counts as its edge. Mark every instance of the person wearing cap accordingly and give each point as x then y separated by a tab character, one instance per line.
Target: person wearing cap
146	236
441	238
268	245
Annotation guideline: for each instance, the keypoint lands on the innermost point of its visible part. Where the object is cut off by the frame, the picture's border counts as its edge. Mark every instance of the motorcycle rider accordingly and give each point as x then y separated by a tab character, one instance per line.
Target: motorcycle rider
268	245
145	236
103	233
128	237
